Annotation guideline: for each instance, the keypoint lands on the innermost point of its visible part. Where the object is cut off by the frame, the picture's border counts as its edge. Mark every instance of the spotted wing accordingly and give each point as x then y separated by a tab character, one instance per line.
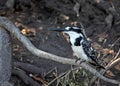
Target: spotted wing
89	51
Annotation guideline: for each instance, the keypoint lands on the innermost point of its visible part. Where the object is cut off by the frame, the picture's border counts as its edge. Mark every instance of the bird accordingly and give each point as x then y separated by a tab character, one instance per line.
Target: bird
80	44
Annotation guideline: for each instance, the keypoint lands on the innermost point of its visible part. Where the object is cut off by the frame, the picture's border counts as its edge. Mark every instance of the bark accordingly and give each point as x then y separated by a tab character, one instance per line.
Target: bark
5	56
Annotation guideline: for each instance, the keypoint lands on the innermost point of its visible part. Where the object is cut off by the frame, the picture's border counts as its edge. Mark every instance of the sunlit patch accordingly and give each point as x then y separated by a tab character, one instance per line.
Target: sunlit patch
28	32
24	31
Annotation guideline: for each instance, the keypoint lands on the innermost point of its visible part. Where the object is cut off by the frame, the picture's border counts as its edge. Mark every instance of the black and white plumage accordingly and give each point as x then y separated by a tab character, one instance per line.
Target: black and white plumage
80	45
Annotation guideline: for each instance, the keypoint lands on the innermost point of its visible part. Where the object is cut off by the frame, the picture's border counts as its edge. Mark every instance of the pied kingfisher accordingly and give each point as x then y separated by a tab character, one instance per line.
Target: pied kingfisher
80	45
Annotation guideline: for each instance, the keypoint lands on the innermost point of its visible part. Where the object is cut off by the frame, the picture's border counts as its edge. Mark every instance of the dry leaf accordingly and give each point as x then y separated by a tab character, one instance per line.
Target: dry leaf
108	51
110	74
38	78
65	17
103	35
97	46
117	67
74	23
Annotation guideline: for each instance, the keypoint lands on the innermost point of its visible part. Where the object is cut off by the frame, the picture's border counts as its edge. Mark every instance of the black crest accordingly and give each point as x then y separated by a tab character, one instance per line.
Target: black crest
76	29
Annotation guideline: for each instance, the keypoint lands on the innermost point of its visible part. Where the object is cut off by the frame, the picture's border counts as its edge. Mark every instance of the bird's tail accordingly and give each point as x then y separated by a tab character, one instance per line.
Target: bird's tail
97	65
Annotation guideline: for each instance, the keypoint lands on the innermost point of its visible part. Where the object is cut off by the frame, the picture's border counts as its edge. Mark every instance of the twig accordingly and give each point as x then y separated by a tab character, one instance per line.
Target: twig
114	43
109	66
9	26
56	78
62	75
50	71
116	56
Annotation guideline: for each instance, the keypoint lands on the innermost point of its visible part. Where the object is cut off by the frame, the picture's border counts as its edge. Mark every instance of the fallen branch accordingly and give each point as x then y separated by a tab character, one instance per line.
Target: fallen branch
26	79
9	26
29	68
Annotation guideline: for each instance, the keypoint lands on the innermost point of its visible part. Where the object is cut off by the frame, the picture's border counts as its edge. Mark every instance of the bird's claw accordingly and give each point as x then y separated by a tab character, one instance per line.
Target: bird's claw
80	60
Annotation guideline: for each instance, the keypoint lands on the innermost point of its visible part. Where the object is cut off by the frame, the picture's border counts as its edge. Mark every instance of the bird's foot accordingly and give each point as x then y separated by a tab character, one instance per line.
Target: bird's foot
80	60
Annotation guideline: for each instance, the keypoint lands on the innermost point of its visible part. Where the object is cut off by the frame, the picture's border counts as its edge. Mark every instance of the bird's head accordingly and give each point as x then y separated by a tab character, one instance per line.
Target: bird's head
73	31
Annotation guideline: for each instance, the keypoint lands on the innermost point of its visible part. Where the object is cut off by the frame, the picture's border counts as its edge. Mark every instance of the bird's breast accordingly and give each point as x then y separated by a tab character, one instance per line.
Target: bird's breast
79	52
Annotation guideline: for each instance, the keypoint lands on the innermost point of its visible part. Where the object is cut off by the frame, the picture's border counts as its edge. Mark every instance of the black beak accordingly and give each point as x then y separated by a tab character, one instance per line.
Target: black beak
57	29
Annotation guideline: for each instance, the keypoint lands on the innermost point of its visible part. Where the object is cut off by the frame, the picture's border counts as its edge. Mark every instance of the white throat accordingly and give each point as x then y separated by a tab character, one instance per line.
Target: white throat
73	36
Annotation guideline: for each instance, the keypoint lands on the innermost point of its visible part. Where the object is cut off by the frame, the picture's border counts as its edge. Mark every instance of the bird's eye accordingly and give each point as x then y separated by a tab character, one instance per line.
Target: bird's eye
70	28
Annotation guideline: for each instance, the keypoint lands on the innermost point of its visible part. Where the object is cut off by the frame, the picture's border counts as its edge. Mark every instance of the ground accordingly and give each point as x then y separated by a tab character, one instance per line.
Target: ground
100	19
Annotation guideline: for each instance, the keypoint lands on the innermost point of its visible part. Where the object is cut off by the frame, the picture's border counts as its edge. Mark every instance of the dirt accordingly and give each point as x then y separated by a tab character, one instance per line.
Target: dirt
100	19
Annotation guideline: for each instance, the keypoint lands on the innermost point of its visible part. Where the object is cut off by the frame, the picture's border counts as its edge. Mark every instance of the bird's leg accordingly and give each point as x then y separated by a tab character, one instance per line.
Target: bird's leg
80	60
